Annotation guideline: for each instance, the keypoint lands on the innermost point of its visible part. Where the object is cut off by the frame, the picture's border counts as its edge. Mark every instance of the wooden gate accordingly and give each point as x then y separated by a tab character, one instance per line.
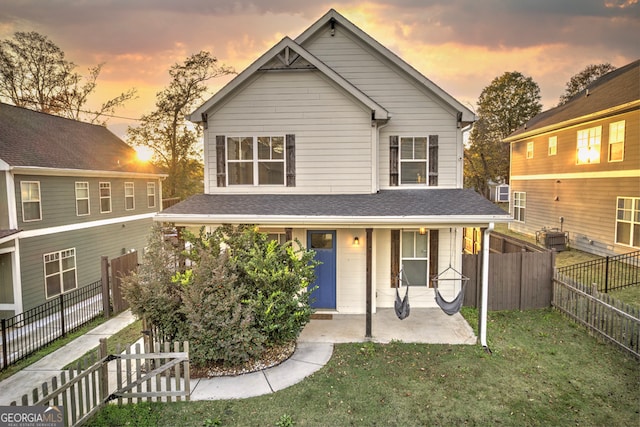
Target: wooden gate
112	283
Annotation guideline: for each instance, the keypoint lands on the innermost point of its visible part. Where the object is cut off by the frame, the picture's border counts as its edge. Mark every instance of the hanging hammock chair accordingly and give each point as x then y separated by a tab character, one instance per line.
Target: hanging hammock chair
401	305
453	306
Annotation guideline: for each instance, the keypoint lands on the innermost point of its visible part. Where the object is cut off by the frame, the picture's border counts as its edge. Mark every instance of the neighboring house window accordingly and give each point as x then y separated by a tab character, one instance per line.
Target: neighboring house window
129	196
60	272
616	141
256	160
151	194
82	198
30	195
415	258
530	150
589	145
413	160
628	221
105	197
519	205
553	145
278	237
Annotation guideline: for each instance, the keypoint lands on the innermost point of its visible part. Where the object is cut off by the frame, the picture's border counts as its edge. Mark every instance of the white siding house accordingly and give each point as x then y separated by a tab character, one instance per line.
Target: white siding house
332	137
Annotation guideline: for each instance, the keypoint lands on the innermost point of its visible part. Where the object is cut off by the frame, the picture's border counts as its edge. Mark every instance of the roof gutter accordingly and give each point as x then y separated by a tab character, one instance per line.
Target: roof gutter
37	170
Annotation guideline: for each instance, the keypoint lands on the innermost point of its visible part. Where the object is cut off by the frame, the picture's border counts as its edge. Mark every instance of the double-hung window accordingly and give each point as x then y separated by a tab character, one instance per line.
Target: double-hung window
151	194
589	145
519	205
415	258
530	150
129	196
82	198
553	146
616	141
105	197
628	221
60	272
30	195
256	160
413	160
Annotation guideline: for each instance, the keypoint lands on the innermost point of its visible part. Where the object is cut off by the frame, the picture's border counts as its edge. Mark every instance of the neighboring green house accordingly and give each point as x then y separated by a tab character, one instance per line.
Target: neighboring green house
70	192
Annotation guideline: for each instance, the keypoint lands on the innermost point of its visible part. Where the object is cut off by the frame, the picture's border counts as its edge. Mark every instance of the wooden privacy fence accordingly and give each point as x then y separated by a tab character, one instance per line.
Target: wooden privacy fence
603	315
158	375
517	281
112	283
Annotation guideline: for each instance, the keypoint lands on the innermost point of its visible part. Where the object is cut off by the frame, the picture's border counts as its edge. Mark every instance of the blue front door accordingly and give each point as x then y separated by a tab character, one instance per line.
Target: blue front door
324	245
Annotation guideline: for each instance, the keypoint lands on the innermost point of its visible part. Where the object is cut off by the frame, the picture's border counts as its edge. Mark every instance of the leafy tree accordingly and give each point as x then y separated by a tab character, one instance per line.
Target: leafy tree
166	131
504	106
579	82
35	74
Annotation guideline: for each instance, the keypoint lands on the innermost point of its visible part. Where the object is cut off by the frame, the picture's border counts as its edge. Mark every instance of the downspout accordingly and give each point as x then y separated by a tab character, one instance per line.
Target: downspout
485	286
377	125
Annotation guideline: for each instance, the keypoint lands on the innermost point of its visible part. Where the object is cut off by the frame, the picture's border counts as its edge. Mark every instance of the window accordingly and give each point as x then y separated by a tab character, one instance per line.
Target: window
105	197
82	198
616	141
281	238
519	205
589	145
129	196
256	160
553	145
60	272
151	194
628	221
30	194
415	257
413	160
530	150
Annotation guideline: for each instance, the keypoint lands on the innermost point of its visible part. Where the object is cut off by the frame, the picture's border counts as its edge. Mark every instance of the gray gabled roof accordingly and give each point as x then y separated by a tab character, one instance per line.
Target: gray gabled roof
615	91
30	139
384	207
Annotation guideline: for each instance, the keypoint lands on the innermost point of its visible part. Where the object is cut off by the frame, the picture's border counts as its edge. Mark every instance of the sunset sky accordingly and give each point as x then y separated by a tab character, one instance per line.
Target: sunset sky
461	45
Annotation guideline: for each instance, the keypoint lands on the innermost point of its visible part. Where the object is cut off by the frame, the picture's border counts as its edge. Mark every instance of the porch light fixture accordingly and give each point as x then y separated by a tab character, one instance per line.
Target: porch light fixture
423	231
356	241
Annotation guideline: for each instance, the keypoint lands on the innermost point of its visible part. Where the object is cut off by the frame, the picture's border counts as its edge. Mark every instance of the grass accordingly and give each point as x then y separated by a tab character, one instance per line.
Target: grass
544	370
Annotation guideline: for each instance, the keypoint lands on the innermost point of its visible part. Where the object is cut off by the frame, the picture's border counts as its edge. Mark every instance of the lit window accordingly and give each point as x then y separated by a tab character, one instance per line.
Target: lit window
519	205
129	196
413	160
105	197
60	272
616	141
589	145
530	150
151	194
628	221
553	145
30	194
82	198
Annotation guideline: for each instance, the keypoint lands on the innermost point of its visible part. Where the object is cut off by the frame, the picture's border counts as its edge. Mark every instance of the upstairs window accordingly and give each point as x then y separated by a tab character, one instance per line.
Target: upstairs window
530	150
105	197
553	146
519	205
589	145
616	141
82	198
30	195
628	221
256	160
151	194
129	196
413	160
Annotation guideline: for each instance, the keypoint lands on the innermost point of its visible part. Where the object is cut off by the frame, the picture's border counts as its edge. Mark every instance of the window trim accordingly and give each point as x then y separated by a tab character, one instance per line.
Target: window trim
552	147
132	196
529	153
78	199
39	201
255	160
620	141
425	178
588	149
60	256
151	194
101	186
635	211
519	204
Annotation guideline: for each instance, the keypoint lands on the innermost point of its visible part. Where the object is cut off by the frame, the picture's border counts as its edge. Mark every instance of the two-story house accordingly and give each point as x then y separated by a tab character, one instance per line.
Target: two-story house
70	192
334	140
576	167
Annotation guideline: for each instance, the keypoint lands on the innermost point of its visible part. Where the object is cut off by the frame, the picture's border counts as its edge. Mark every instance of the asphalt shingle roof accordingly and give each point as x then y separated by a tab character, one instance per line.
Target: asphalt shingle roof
387	203
31	138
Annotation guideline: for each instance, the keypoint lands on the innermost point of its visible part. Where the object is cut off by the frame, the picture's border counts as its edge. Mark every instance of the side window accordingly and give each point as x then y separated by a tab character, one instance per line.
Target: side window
30	195
151	194
588	150
519	205
82	198
553	145
129	196
616	141
628	221
60	272
105	197
530	150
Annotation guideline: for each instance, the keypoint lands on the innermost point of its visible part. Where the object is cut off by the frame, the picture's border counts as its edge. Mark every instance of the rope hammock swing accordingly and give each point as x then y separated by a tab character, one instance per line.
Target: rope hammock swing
453	306
401	305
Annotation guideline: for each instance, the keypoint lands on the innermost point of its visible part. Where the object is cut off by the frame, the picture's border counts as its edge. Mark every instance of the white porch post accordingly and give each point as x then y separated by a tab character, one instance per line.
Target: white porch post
485	285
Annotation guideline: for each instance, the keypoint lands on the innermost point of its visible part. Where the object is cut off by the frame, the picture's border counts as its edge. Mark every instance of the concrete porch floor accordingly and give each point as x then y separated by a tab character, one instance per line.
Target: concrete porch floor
424	325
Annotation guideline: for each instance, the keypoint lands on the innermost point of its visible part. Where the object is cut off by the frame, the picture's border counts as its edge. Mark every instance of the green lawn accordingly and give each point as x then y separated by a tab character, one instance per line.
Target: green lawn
544	370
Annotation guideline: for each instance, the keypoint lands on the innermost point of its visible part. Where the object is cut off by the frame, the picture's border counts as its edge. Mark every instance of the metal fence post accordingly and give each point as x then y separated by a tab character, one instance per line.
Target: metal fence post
105	286
4	344
62	323
606	276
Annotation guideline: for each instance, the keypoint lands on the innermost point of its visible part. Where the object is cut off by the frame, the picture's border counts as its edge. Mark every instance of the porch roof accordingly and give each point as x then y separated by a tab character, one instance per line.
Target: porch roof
416	207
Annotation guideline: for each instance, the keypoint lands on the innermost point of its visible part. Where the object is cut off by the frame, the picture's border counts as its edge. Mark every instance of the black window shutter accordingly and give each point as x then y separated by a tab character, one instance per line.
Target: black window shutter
393	161
395	257
433	255
433	160
291	160
221	161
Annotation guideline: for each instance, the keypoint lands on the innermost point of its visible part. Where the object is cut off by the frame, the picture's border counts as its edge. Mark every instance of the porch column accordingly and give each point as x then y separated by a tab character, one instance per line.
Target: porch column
485	286
369	284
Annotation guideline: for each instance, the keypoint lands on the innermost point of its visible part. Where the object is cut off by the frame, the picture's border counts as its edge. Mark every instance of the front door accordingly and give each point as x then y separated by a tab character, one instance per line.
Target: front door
324	245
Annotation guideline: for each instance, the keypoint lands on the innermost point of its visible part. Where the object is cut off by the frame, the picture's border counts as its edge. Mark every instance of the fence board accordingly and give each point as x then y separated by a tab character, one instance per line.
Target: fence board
120	267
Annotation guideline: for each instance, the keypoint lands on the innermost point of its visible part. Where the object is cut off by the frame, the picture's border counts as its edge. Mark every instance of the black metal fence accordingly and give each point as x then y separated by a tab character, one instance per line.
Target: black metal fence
33	329
612	272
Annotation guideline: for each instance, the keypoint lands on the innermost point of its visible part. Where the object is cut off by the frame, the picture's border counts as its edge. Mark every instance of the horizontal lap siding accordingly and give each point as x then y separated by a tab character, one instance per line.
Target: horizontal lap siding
414	111
332	130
